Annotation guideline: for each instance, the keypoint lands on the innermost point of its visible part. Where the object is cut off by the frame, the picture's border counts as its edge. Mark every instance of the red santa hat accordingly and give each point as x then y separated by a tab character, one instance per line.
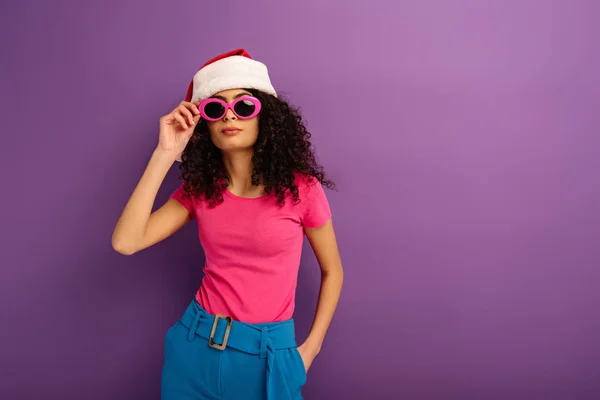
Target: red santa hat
232	70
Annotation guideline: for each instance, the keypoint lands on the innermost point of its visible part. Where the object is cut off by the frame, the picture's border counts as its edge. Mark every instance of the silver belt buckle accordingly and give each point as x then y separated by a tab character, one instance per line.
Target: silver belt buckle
211	341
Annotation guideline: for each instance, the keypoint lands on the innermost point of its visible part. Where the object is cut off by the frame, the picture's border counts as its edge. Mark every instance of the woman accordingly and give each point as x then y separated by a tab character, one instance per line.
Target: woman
251	182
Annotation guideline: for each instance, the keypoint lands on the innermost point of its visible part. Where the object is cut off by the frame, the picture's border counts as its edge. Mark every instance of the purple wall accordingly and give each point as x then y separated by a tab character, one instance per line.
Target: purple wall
464	140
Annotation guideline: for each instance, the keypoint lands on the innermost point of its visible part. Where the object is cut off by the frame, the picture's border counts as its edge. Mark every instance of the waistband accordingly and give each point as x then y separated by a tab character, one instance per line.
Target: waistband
222	332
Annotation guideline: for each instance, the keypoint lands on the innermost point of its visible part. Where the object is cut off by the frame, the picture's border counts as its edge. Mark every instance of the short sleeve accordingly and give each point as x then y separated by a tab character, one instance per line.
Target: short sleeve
182	197
315	209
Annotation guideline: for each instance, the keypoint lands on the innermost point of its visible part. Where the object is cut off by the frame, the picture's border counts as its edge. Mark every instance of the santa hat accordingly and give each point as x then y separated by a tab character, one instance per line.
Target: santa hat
232	70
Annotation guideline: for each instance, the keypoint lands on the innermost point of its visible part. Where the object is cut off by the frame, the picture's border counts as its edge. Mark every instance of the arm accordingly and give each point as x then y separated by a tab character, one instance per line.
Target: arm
324	244
138	228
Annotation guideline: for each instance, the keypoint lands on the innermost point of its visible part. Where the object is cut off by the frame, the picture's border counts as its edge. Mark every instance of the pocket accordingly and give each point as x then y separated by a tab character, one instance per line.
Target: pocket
171	339
189	365
294	373
300	362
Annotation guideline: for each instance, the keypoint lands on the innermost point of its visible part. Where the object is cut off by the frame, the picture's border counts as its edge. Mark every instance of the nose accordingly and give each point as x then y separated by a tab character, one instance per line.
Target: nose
229	115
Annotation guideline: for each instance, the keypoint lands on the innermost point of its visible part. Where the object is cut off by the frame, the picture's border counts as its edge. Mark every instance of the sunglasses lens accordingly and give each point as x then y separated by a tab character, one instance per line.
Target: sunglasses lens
214	110
244	108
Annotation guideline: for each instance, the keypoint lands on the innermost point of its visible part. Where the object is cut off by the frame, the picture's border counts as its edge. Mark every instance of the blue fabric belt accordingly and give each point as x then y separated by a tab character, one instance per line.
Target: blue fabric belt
260	339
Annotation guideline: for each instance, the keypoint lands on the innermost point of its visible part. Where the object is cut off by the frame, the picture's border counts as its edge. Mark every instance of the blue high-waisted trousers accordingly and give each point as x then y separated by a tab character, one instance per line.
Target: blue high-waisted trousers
230	360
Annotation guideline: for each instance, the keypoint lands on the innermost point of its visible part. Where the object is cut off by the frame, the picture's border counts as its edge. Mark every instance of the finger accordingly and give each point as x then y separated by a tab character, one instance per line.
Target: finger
190	104
187	114
181	120
193	107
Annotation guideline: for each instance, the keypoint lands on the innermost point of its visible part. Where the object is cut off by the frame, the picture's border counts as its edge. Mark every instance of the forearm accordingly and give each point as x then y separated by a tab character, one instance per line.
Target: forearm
132	223
329	294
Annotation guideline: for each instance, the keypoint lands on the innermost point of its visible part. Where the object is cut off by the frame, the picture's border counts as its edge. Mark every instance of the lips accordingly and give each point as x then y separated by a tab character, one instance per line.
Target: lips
230	131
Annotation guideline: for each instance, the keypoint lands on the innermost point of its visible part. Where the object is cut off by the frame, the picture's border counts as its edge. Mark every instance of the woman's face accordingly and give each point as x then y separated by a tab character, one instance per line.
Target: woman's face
230	133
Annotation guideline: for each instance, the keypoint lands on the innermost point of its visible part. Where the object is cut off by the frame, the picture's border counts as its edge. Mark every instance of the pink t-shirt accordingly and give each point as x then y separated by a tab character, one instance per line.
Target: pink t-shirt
253	249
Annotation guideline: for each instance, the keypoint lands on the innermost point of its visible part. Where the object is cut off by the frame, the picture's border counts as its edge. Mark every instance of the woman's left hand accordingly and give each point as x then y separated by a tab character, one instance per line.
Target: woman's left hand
308	355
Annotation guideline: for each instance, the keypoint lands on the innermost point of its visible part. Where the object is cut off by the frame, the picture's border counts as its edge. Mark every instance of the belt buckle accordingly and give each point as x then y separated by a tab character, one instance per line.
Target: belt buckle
211	341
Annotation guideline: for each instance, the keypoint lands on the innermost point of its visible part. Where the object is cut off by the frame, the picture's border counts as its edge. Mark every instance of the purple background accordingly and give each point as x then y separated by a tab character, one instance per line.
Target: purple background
463	136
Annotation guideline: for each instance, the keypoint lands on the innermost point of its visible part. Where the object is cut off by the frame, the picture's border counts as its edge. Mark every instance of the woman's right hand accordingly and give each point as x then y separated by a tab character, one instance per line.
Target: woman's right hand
177	127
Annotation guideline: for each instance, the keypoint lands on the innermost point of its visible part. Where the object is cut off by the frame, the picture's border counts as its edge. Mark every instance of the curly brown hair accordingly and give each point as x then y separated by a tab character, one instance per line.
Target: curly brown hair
283	148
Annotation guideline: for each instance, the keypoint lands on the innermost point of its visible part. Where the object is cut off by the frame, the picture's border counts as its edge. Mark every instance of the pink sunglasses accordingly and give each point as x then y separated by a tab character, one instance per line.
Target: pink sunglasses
245	107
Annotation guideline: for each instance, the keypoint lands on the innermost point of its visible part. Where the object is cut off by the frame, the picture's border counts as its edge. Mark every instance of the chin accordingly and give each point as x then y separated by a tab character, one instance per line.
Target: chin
232	150
231	146
233	143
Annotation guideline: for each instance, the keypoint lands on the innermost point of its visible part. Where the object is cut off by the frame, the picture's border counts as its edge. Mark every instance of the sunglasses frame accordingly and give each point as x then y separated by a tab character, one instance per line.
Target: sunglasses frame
226	106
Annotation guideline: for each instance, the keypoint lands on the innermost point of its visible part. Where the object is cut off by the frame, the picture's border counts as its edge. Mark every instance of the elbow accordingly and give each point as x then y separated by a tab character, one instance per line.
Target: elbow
123	248
336	273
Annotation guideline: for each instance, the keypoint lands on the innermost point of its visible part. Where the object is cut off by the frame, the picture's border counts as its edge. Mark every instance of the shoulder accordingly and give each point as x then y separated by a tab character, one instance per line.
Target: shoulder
309	187
305	181
314	206
185	193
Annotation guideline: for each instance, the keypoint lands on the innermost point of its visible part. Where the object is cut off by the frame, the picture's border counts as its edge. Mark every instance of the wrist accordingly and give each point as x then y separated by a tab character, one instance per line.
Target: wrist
313	345
166	155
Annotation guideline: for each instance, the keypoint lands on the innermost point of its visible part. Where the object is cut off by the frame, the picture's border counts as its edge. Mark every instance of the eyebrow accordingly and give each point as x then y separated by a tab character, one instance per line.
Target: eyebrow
235	97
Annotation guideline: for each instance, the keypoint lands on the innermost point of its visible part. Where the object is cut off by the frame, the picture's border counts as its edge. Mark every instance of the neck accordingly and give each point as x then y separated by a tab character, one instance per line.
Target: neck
238	166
